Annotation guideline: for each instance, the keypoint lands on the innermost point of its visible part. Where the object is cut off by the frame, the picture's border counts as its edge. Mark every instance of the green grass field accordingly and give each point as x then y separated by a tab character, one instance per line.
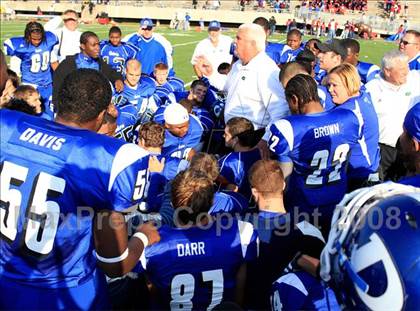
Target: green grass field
184	42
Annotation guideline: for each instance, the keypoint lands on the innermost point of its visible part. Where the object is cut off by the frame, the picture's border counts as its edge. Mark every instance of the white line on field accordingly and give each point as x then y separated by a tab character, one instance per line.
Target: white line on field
186	43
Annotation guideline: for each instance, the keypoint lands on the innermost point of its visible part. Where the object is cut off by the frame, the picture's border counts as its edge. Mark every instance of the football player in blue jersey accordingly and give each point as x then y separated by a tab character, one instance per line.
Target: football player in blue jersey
316	143
366	71
35	50
410	45
161	76
202	260
273	49
344	87
136	103
409	146
183	133
151	51
151	137
64	189
88	58
202	115
282	238
363	261
225	202
241	137
294	41
116	53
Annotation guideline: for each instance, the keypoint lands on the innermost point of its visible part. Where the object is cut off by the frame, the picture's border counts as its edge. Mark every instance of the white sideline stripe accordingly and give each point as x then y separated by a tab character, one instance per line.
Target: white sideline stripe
186	43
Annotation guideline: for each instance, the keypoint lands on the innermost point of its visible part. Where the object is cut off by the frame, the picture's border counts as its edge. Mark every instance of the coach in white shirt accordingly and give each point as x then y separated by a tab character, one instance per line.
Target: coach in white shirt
393	94
216	48
68	35
253	88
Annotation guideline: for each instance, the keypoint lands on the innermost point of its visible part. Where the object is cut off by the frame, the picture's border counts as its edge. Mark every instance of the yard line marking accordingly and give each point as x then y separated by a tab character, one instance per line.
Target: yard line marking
186	43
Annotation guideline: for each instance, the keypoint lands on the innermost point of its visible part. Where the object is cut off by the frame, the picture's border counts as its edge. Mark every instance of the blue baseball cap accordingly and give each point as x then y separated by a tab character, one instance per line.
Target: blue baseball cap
412	122
146	22
214	25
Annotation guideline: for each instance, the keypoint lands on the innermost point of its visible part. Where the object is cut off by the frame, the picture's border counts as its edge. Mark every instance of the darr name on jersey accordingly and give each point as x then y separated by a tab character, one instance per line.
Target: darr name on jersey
35	137
191	249
326	130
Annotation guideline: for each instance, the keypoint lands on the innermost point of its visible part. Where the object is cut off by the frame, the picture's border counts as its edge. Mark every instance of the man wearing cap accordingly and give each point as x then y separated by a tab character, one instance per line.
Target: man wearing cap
393	93
182	132
216	48
68	35
331	55
151	49
410	146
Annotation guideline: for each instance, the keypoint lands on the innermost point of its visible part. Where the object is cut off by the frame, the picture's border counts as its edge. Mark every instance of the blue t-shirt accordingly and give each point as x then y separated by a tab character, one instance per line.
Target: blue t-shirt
117	56
235	166
367	71
318	145
151	52
179	147
365	156
48	171
36	60
195	268
301	291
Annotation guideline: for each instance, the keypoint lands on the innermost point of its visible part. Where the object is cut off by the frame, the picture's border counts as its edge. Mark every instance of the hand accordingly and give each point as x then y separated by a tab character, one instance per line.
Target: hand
264	151
119	86
156	166
151	232
232	187
7	94
203	66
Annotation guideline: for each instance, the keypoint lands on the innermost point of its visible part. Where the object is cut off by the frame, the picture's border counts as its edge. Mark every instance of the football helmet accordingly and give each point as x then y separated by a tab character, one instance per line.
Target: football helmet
372	257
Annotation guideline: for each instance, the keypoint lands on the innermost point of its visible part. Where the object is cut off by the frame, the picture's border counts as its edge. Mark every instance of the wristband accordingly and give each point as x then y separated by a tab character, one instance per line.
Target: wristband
113	259
142	237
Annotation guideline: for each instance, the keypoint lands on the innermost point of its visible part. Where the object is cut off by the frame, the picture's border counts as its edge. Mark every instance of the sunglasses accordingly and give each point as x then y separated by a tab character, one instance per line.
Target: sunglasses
147	28
70	19
403	42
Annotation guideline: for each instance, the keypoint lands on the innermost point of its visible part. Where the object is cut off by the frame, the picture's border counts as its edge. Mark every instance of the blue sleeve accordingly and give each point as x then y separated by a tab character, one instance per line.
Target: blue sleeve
278	142
128	177
131	50
11	45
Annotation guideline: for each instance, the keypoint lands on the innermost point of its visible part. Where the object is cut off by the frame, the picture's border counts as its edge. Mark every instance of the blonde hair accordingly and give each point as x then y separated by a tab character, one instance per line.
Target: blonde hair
349	76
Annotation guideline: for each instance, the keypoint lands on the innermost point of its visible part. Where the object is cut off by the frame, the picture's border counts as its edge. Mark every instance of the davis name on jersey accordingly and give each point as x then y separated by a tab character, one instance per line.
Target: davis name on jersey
50	191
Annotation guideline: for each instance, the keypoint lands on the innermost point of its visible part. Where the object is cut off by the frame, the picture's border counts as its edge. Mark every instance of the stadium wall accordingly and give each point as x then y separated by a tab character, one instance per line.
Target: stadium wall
231	17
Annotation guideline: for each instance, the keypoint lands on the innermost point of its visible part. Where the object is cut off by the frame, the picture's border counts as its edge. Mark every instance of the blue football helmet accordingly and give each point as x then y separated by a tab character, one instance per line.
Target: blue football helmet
372	257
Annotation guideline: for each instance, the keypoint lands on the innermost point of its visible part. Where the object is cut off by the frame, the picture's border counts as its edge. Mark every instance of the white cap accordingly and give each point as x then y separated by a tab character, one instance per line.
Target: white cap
175	114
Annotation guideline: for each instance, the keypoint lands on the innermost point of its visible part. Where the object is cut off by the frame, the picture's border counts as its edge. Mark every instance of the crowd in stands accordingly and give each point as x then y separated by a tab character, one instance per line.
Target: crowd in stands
286	177
336	6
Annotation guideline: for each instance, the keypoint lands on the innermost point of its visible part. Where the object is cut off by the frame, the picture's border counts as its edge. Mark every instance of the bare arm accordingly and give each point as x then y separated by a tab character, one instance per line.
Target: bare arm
111	242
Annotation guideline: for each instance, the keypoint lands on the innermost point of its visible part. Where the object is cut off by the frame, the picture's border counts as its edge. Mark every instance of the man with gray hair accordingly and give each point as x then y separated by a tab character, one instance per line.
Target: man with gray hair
252	86
393	93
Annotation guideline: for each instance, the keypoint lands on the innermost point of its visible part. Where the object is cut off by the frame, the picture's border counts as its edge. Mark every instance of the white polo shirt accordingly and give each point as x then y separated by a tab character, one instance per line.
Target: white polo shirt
391	103
254	92
215	54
